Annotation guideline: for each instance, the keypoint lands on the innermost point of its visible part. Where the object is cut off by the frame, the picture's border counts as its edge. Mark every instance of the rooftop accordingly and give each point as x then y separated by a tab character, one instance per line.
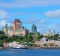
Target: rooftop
17	20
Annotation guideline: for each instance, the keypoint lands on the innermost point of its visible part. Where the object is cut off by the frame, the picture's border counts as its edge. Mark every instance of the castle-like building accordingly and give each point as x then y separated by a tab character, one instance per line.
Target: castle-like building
15	29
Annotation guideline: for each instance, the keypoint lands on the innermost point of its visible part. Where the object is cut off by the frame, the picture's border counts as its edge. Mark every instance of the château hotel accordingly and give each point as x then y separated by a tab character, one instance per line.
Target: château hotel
15	29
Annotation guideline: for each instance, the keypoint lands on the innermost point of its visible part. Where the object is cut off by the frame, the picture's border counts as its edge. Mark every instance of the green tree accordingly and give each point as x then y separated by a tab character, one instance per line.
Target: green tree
35	45
29	44
38	33
2	32
28	39
3	37
50	37
10	39
1	43
45	44
39	37
56	35
32	33
51	44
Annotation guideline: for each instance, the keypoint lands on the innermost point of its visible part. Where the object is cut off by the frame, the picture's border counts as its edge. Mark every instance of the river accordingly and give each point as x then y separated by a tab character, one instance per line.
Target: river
30	52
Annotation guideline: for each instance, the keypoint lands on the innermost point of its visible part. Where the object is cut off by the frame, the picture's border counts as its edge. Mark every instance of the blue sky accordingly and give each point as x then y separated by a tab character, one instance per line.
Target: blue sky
44	13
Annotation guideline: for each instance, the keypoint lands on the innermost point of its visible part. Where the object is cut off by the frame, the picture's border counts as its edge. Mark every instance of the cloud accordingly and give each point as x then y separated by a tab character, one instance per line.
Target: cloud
28	3
35	20
55	27
3	18
25	13
53	14
3	23
3	14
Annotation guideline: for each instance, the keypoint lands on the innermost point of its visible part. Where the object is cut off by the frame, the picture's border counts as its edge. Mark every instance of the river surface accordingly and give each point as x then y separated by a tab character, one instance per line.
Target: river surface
30	52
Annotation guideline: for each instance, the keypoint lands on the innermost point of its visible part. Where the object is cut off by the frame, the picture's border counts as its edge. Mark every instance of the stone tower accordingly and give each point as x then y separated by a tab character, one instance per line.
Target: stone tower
17	25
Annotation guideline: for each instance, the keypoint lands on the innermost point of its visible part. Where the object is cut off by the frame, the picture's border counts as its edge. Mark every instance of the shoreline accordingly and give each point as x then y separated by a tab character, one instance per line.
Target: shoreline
1	48
43	48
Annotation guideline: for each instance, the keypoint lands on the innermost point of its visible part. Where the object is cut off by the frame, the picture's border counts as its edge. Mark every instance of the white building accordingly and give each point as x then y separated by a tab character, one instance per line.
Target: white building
43	40
49	33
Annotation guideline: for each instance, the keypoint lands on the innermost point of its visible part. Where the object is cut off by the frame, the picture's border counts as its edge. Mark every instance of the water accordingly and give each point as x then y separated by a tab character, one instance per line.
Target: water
27	52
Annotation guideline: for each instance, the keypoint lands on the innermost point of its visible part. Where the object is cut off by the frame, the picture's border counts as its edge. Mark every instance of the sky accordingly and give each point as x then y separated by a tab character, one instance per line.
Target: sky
45	14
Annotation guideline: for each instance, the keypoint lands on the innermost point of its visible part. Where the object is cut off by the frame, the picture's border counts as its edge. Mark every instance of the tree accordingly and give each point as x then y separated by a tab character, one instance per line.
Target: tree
35	45
10	39
50	37
51	44
1	43
3	37
2	32
39	37
29	44
38	33
28	39
56	35
45	44
32	33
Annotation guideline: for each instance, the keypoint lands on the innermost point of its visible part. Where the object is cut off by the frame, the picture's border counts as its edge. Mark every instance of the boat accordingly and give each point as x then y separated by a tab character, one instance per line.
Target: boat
20	47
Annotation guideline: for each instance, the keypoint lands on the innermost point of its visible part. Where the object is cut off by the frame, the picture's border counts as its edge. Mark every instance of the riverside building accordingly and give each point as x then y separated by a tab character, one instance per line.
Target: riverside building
15	29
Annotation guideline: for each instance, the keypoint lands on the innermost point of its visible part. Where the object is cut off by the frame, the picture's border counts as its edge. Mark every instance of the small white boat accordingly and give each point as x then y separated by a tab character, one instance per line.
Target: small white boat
20	47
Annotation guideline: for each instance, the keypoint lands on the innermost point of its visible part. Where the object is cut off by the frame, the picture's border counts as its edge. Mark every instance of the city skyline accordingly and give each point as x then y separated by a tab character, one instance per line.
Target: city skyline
43	13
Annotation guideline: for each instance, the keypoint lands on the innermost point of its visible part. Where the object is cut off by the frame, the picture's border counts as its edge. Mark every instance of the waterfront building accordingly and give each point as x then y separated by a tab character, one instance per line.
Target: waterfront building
16	29
13	44
43	40
34	28
38	43
51	41
5	44
57	43
49	33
